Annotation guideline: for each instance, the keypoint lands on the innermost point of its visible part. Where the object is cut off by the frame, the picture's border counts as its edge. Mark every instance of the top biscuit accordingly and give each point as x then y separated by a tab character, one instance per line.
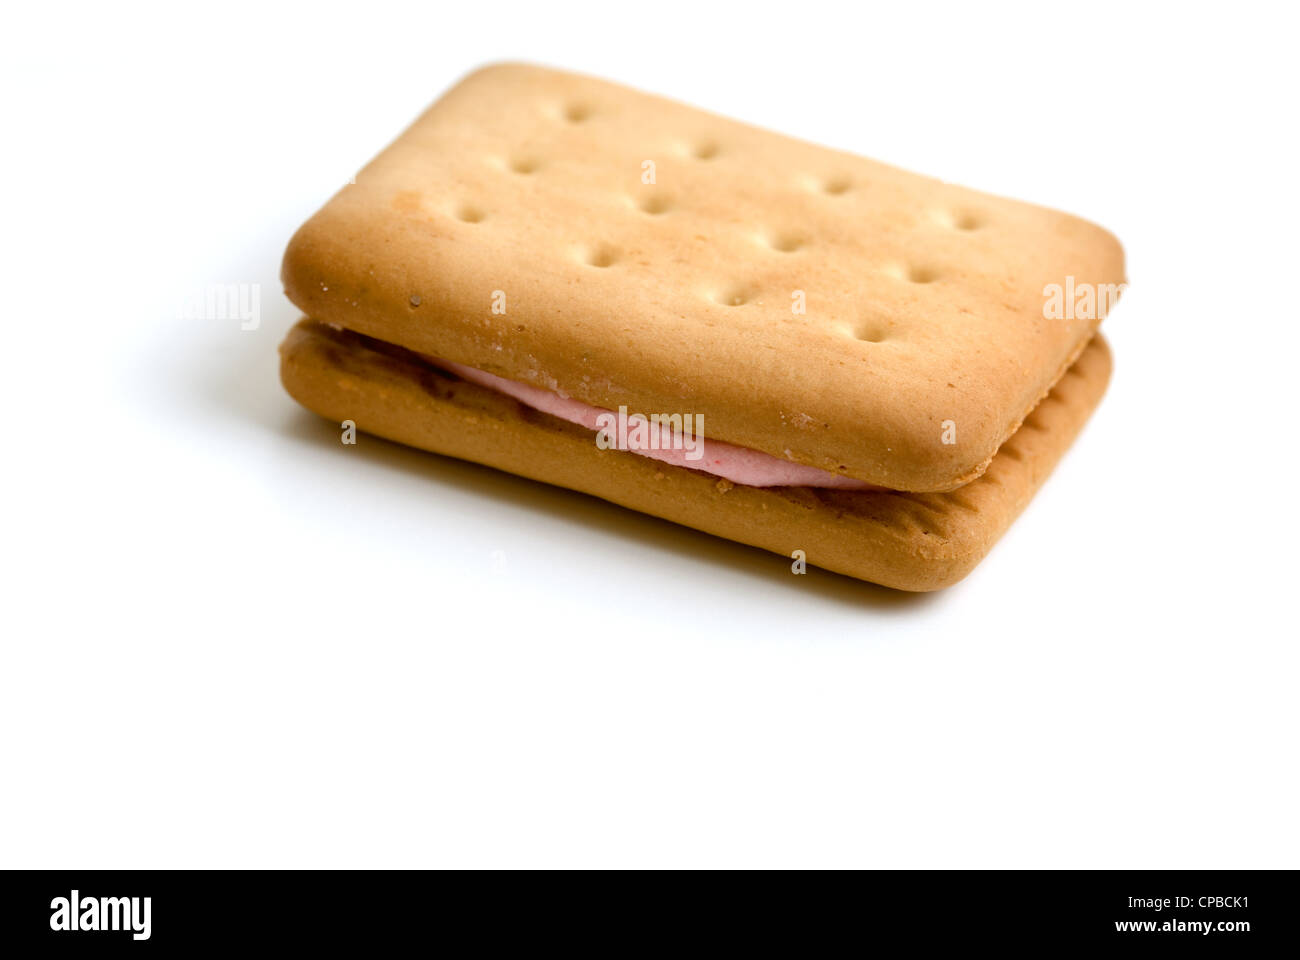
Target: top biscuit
627	250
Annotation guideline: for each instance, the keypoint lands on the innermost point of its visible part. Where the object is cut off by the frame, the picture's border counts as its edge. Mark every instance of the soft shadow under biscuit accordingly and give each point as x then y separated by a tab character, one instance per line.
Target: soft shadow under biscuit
910	541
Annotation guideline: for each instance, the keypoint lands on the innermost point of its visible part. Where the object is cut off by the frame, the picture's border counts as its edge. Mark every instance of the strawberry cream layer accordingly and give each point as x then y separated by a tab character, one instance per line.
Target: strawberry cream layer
737	464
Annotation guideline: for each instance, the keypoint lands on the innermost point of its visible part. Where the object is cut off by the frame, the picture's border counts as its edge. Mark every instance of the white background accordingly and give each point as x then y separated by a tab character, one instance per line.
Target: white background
228	640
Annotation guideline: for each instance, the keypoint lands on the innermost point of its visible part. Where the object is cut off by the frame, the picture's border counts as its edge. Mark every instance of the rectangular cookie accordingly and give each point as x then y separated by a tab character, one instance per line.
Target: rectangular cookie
910	541
621	249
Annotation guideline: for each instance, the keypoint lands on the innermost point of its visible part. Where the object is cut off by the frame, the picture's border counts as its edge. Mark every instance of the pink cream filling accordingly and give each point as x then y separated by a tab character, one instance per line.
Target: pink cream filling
737	464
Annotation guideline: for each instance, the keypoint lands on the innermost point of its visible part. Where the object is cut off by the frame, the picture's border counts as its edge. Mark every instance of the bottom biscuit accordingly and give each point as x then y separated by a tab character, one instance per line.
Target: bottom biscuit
909	541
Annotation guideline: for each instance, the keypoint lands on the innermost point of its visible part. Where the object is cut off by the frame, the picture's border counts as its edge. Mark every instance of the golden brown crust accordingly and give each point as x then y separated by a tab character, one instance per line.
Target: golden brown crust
924	300
911	541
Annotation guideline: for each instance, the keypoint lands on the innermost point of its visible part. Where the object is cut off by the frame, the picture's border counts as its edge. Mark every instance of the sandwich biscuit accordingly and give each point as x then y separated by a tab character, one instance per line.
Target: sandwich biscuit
849	359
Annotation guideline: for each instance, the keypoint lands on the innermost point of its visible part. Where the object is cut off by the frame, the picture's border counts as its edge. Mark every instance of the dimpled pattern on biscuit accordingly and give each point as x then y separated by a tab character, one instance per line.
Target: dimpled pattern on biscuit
523	187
